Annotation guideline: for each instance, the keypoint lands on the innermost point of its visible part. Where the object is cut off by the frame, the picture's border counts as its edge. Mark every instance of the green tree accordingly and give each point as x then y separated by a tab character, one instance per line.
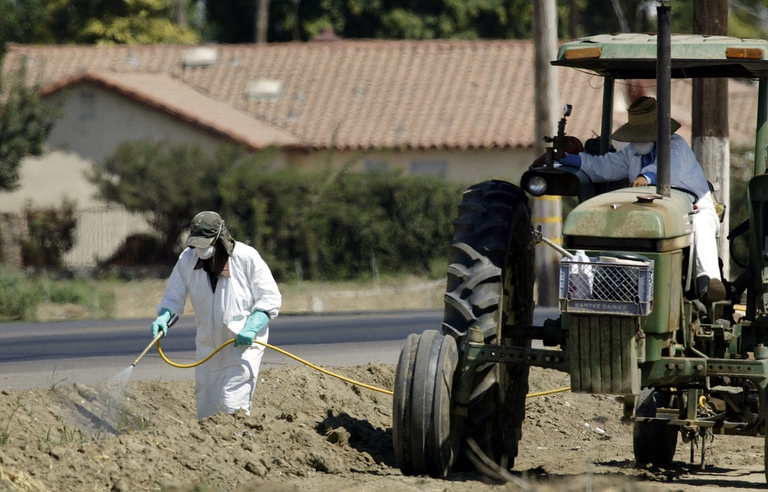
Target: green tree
25	123
19	20
747	18
50	234
171	182
138	22
93	22
233	22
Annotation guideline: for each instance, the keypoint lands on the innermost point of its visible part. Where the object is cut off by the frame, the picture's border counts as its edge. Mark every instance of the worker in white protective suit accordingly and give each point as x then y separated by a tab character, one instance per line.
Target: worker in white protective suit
234	295
637	162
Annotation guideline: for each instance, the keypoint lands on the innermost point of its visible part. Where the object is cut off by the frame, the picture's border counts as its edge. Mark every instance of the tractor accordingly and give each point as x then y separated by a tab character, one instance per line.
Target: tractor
680	369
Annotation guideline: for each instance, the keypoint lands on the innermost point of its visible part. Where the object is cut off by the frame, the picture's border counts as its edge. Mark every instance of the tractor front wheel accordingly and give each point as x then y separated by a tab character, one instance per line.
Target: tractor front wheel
423	431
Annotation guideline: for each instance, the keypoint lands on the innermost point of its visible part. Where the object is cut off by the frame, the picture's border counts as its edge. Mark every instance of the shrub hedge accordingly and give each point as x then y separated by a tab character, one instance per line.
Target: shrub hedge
325	225
341	225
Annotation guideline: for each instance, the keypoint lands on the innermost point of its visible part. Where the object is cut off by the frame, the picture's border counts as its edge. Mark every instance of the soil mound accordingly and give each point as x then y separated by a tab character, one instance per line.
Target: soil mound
306	431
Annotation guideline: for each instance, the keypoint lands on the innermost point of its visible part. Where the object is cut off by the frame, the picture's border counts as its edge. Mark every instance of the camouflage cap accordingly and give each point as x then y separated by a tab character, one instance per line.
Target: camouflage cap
206	227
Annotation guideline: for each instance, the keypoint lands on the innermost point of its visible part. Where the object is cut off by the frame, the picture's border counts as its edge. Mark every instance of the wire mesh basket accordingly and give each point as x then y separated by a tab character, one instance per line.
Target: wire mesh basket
607	285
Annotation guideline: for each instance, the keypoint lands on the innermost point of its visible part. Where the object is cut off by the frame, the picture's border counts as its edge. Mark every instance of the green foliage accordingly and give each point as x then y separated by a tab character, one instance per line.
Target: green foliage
50	234
748	19
5	430
82	292
19	20
19	296
24	125
93	22
172	182
341	225
53	383
391	19
233	21
142	22
152	21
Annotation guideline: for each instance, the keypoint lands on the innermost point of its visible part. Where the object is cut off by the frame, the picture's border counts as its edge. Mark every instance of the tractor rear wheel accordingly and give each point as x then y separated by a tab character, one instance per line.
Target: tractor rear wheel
653	442
490	286
423	432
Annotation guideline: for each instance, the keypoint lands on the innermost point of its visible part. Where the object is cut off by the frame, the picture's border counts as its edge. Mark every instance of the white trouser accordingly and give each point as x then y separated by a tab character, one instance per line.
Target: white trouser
227	381
706	228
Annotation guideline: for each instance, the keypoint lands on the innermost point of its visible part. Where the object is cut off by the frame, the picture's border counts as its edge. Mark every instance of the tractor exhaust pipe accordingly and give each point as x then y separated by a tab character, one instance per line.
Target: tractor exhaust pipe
663	80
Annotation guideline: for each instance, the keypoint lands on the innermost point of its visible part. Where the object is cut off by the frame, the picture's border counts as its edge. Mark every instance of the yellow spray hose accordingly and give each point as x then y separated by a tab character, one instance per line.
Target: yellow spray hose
313	366
318	368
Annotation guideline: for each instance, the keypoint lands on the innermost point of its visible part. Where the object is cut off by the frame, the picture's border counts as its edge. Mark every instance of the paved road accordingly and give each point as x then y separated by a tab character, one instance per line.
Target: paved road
41	354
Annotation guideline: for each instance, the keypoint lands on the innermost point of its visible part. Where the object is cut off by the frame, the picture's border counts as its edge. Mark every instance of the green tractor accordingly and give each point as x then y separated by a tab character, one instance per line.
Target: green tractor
681	372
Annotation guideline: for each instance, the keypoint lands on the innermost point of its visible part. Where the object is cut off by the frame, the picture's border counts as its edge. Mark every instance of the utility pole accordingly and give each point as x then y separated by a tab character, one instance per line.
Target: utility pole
547	210
262	21
709	133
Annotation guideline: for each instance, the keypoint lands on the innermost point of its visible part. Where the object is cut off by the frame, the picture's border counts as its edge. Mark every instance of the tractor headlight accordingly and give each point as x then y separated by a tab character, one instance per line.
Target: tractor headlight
537	186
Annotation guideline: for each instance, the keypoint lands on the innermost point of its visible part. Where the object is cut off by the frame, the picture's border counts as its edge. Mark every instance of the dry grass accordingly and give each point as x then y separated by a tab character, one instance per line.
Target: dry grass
139	298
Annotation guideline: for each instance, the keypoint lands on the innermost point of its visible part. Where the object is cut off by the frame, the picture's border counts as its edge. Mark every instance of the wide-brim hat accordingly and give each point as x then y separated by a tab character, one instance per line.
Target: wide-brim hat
206	228
641	126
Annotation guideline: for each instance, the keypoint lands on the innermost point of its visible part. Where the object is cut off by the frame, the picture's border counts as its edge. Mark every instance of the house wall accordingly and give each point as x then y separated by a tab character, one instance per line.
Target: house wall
462	166
95	122
46	180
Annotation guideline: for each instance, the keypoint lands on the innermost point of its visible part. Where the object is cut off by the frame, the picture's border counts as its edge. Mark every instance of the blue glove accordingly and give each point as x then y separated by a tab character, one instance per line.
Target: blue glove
255	322
571	160
161	323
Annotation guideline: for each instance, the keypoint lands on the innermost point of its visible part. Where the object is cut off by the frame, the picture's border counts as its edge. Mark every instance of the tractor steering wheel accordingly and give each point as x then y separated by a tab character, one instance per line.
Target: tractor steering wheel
687	191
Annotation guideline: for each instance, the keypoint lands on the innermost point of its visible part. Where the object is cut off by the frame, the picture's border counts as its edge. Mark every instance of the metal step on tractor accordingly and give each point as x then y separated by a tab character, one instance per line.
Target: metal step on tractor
683	370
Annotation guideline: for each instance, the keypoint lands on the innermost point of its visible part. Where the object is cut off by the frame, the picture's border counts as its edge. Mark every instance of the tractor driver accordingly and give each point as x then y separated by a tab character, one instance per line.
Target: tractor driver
637	162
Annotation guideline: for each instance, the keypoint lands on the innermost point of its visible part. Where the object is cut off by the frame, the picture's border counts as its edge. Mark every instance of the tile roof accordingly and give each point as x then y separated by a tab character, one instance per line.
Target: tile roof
359	94
170	96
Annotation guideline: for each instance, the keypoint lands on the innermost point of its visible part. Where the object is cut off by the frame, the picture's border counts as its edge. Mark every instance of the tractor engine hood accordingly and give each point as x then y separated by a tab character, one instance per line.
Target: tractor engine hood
632	214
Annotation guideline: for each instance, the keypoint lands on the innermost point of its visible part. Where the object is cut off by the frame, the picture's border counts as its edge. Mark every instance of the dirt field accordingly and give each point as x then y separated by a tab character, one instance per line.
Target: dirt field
308	431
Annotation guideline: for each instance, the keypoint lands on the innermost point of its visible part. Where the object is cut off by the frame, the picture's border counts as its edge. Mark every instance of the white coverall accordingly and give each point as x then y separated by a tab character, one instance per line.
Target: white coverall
227	381
685	172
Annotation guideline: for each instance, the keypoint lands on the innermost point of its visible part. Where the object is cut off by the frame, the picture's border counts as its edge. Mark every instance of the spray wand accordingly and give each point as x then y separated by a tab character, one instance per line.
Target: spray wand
160	334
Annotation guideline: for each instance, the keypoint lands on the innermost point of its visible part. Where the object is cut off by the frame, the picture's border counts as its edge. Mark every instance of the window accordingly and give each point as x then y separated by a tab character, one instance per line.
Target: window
373	165
429	168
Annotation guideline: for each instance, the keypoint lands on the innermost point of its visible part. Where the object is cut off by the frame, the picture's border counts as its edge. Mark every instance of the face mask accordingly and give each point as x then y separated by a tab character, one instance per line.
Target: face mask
205	253
644	148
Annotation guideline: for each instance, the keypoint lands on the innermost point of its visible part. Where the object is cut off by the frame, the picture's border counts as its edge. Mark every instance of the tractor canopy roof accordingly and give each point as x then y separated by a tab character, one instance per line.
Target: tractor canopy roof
633	56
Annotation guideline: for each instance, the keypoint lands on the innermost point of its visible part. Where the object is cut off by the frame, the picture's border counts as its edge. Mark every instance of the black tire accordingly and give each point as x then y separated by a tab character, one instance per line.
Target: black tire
765	442
422	429
490	285
401	410
652	442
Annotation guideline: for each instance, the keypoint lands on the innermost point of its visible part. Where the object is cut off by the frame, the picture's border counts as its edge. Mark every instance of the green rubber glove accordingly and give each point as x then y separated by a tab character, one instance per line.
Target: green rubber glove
255	322
161	323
